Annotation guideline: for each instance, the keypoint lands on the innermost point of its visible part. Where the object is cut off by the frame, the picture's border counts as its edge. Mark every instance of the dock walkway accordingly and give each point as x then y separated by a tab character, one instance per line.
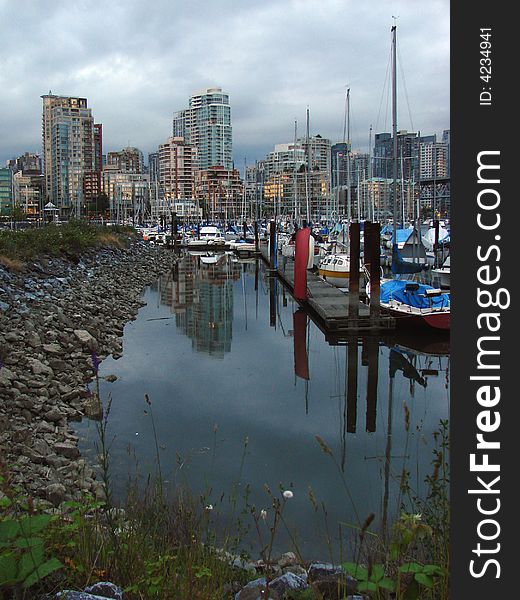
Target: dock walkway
339	312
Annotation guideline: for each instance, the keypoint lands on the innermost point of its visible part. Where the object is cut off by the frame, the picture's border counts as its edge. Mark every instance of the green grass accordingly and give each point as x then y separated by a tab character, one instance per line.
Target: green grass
52	240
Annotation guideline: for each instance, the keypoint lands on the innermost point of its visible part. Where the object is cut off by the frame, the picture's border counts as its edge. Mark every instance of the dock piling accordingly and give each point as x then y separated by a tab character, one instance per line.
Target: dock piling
372	256
272	247
353	286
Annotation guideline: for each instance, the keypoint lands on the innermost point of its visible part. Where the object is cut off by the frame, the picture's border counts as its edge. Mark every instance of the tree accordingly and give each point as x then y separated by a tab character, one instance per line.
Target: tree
99	205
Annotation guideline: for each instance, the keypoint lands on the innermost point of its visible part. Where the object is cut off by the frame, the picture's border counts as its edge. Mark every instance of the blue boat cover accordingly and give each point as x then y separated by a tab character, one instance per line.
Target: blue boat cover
396	290
402	235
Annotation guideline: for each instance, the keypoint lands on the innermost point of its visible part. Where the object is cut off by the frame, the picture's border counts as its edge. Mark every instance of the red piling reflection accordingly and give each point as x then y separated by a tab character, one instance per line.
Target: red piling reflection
301	362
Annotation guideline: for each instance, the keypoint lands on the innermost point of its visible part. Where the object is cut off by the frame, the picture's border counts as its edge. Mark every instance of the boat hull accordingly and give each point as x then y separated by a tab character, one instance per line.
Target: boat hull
404	318
339	278
443	275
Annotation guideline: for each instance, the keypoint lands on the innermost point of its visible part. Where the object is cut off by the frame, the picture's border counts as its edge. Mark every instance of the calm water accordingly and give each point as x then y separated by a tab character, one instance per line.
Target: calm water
240	387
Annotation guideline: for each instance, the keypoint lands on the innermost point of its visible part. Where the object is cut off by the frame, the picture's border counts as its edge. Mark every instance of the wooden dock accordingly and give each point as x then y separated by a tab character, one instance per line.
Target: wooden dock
339	312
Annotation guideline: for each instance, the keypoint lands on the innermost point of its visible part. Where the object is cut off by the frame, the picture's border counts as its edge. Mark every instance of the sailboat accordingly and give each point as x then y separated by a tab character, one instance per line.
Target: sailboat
335	267
410	302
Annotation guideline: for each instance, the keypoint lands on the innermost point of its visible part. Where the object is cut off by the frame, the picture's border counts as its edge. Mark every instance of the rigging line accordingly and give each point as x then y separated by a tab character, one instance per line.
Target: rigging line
385	88
401	72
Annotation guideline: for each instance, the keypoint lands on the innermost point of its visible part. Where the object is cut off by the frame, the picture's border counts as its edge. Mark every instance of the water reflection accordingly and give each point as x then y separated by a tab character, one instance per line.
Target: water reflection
199	291
226	354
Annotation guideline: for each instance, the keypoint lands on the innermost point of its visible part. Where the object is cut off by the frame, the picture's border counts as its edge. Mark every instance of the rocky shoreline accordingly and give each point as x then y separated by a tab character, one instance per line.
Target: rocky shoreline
58	317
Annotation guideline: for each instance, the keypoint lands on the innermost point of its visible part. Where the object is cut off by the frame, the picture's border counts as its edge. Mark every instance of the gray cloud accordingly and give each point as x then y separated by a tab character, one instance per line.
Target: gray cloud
137	62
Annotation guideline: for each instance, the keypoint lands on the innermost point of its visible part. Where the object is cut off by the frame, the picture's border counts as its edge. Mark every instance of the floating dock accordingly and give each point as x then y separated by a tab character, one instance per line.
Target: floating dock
338	312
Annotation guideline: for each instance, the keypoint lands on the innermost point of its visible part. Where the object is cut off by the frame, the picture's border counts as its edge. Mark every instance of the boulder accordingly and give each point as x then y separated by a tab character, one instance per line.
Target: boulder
55	493
331	581
38	368
53	415
256	590
287	559
66	450
105	589
289	582
85	337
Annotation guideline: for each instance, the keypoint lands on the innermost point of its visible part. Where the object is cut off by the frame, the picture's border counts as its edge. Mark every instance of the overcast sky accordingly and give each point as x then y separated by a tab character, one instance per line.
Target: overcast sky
137	62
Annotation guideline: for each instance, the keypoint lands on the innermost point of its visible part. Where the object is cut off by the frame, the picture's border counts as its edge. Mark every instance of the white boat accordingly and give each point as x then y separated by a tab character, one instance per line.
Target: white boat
335	268
428	239
443	273
414	304
209	258
241	246
208	236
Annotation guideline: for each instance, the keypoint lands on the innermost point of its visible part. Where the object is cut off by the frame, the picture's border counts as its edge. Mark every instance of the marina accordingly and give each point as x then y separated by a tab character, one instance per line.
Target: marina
272	382
337	310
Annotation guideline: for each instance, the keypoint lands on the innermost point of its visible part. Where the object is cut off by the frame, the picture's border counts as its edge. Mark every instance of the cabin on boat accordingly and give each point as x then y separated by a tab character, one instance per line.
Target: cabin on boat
410	246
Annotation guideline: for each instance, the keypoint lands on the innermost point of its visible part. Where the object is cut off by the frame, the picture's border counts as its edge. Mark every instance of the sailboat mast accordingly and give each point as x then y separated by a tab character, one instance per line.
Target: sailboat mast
308	180
371	207
394	127
295	176
349	210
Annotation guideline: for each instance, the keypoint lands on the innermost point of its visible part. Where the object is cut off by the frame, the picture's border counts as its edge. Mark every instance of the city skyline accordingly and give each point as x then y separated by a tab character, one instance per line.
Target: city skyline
274	61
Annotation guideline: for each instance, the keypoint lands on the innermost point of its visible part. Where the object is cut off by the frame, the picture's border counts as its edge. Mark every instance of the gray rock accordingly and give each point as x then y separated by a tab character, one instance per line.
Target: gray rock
52	348
55	492
105	589
38	368
6	376
317	570
84	336
331	581
72	595
297	570
287	559
33	339
53	415
256	590
67	450
286	583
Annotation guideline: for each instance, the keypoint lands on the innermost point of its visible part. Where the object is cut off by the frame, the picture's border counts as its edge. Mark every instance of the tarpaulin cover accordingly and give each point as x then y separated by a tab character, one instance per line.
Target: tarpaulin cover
402	267
402	235
396	290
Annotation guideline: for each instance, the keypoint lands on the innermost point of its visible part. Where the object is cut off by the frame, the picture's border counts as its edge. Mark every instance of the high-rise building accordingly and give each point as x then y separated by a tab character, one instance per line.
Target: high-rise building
6	191
27	182
446	139
98	147
128	194
434	160
128	160
220	193
285	158
407	154
28	163
153	166
69	149
177	167
317	152
339	164
206	124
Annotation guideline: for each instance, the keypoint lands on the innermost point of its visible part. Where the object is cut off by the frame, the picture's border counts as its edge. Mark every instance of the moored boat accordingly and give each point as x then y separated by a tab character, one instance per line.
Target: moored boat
443	273
208	236
335	268
414	304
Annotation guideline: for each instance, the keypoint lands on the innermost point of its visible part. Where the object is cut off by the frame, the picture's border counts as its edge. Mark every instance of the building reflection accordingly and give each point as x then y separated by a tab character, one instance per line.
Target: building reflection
199	292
